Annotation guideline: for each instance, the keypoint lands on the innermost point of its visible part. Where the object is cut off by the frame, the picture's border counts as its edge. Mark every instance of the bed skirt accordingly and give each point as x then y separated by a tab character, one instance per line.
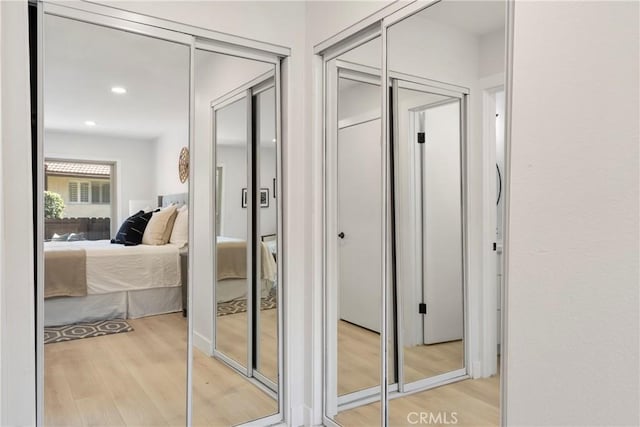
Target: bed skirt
115	305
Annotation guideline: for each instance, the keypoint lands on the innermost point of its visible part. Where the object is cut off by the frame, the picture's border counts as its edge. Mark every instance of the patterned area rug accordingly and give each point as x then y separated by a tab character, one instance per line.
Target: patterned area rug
240	305
53	334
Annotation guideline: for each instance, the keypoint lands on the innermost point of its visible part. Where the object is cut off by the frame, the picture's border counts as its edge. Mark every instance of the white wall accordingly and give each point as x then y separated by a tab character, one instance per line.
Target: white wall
572	331
135	174
17	321
233	160
167	151
357	100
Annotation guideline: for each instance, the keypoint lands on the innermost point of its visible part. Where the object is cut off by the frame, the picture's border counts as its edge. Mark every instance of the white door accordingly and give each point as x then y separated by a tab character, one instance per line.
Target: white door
442	223
359	224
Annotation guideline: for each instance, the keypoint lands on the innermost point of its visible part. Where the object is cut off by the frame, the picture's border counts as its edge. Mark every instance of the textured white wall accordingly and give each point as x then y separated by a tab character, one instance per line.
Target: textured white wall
573	262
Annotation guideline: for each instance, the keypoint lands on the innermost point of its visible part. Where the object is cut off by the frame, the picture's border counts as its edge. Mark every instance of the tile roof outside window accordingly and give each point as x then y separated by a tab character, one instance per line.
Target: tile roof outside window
69	168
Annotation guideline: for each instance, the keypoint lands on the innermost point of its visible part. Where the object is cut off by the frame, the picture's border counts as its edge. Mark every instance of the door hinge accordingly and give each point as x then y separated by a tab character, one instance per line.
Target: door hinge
421	137
495	246
422	308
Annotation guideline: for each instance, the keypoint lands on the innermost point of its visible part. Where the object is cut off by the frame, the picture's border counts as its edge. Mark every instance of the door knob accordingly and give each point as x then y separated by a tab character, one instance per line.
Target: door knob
341	235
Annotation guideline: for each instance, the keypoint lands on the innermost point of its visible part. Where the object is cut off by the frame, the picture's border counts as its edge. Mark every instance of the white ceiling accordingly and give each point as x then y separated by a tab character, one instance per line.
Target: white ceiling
478	17
83	62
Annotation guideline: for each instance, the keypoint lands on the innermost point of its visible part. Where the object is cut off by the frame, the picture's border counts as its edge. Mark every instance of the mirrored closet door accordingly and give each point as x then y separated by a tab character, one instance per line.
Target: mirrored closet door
239	313
354	242
399	157
115	224
160	254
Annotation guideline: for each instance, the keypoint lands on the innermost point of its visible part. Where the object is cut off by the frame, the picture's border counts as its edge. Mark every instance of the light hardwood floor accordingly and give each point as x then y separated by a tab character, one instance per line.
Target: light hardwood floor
232	337
359	355
138	379
472	402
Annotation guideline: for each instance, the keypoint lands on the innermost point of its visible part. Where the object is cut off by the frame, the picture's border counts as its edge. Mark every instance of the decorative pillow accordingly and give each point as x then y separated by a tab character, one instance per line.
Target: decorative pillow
132	230
167	231
180	233
156	231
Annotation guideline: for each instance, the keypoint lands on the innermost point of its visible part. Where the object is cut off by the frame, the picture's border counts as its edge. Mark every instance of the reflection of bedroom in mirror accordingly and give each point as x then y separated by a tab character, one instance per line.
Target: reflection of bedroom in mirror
122	322
116	226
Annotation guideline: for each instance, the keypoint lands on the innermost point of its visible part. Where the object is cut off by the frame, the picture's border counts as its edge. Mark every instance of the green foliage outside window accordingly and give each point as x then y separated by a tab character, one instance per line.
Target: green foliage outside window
53	205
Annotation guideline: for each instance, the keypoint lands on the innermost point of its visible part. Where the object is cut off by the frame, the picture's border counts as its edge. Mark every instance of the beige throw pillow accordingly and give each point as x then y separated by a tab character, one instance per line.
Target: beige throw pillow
180	232
159	228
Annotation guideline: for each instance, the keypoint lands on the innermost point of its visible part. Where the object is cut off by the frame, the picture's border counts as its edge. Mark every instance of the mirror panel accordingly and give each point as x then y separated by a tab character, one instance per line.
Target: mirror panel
354	329
116	118
446	65
236	340
232	270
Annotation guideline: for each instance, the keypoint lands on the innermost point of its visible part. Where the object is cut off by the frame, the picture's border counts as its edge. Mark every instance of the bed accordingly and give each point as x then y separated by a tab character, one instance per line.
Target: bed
231	281
117	281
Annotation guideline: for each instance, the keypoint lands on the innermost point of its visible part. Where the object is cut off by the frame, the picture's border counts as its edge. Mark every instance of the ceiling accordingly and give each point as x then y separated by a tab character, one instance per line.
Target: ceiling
83	62
477	17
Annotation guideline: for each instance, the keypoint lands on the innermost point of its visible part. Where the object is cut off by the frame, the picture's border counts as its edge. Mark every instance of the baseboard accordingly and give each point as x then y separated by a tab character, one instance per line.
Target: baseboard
202	343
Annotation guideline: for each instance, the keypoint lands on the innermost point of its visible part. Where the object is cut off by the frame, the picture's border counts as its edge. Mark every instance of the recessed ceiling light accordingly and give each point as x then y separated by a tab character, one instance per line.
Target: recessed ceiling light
119	90
90	123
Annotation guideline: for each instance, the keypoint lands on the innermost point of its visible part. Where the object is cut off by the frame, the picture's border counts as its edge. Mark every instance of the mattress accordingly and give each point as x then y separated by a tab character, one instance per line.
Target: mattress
116	268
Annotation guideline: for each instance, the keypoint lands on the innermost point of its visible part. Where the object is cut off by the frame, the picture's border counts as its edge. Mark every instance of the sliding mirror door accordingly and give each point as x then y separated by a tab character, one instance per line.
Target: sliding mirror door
445	64
237	318
116	119
440	97
354	232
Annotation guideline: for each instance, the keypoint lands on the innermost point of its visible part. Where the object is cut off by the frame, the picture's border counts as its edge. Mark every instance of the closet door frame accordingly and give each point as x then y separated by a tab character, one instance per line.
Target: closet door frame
191	37
403	81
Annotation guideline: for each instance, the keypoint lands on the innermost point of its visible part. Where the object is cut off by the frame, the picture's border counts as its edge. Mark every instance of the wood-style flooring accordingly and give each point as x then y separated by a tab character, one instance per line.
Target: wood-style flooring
359	355
139	379
472	403
231	332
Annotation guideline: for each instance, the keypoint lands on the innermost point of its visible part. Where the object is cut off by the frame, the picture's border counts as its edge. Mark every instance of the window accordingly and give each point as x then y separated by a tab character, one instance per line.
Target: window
91	192
79	192
100	193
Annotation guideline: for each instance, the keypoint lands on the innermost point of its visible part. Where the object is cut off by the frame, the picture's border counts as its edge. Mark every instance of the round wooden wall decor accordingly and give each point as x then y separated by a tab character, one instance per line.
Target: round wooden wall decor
183	164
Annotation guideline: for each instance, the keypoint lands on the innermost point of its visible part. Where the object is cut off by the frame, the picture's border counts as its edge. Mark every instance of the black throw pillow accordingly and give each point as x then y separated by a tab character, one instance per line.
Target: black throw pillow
131	231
